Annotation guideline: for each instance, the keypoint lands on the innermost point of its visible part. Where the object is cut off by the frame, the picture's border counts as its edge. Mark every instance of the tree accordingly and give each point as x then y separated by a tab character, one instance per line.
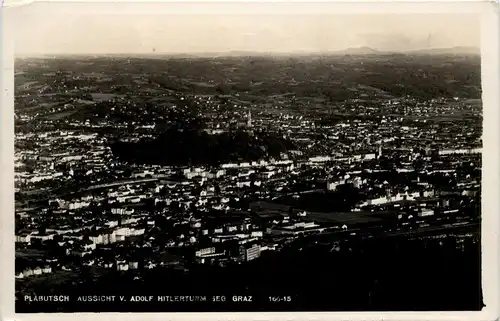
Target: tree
127	173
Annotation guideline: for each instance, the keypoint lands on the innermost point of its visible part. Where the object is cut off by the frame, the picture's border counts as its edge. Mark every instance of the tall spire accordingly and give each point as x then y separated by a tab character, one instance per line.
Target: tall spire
249	120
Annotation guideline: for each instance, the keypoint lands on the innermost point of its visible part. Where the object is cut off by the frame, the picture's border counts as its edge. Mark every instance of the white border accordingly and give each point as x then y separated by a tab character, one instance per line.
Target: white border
15	3
491	154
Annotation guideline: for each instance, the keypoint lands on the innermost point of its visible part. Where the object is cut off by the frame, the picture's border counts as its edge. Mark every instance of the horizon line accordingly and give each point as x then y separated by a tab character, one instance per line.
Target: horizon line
468	50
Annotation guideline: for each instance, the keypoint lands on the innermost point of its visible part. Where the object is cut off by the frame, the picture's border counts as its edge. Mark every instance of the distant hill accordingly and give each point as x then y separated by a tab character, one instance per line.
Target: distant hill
431	51
353	51
359	51
449	51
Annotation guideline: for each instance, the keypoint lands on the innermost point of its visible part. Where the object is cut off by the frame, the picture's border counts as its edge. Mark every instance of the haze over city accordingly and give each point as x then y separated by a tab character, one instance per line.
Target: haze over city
163	34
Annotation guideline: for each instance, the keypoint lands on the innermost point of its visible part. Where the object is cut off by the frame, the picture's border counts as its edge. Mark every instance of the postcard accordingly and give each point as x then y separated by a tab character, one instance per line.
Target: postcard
250	158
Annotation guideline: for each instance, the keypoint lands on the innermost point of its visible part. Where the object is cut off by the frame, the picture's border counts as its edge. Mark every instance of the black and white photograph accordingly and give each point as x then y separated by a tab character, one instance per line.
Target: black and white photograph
247	161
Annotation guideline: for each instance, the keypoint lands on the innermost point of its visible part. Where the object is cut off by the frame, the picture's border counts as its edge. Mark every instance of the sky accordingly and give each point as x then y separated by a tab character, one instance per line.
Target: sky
87	33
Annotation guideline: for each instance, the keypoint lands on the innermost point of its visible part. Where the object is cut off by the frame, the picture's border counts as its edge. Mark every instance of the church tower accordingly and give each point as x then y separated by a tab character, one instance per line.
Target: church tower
249	120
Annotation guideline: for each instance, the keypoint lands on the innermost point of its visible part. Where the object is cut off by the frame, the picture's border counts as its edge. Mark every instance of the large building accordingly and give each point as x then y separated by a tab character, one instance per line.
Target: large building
248	253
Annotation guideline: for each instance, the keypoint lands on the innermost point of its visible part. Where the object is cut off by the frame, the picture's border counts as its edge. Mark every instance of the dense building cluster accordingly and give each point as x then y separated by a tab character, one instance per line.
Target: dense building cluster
374	165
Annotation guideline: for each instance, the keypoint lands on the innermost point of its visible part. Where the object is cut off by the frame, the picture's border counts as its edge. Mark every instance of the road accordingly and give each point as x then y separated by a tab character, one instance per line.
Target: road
119	183
64	191
376	231
432	229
